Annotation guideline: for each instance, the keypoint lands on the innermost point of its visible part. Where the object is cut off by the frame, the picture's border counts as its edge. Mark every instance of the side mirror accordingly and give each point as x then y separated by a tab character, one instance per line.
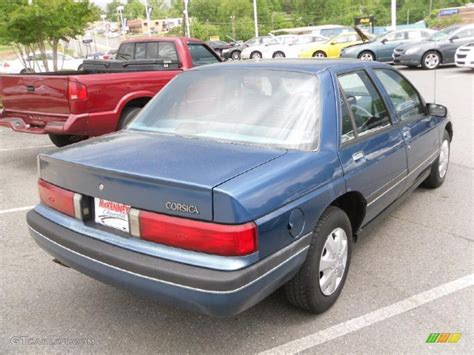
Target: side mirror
451	39
437	110
384	41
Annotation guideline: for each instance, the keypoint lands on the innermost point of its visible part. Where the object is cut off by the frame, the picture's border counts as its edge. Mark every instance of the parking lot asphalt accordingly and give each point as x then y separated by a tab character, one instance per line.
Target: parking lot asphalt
410	276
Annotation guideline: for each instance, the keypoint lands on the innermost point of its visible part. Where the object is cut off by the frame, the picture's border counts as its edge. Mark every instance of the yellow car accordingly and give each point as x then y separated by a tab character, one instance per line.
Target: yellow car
332	47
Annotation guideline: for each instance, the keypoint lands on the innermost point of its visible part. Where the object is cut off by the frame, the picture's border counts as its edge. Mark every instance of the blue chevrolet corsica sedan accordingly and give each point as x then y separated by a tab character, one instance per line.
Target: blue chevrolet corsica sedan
240	178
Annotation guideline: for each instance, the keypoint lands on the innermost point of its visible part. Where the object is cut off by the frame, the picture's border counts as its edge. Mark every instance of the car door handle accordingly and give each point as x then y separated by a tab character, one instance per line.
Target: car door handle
358	156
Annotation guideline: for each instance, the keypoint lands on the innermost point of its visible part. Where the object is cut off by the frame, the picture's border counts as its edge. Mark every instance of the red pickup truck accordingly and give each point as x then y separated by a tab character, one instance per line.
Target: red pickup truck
104	97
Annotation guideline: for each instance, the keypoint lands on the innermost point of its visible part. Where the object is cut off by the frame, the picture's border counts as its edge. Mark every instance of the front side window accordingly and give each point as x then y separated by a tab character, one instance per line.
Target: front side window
258	107
201	55
366	104
403	95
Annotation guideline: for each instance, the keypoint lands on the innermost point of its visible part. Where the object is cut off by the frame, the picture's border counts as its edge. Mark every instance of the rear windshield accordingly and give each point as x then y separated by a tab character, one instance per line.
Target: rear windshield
258	107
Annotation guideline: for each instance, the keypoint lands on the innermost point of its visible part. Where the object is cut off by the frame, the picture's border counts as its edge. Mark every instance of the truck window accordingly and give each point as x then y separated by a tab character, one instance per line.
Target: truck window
167	51
140	51
126	51
201	55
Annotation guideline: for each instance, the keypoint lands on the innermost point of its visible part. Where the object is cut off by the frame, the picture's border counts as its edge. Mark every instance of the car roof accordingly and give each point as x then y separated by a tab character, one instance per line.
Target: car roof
308	65
161	39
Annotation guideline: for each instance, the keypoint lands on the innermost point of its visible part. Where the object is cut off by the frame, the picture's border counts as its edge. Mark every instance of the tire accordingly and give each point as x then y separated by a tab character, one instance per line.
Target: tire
235	55
439	168
62	140
279	54
27	71
319	54
304	290
366	55
256	55
431	60
128	114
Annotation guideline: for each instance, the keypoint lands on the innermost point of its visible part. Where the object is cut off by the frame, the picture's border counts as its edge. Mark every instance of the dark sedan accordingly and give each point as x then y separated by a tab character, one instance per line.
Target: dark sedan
438	50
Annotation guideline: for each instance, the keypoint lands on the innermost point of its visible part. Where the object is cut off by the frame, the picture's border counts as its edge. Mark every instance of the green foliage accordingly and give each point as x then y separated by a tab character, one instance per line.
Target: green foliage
134	9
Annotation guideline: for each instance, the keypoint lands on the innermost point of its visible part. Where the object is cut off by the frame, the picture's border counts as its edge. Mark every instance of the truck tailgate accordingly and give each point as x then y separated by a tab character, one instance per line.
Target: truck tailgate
36	93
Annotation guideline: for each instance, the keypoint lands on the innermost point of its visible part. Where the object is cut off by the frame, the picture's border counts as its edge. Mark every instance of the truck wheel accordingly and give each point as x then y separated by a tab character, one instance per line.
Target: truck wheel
128	114
318	283
61	140
439	168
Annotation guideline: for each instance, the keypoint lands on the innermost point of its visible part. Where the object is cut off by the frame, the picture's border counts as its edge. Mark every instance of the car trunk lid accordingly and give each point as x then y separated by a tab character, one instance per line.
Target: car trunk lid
151	171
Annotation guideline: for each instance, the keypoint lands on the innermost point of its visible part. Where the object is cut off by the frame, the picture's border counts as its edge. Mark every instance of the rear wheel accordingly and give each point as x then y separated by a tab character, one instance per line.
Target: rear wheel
439	168
128	114
367	55
319	54
279	54
431	60
317	285
61	140
256	55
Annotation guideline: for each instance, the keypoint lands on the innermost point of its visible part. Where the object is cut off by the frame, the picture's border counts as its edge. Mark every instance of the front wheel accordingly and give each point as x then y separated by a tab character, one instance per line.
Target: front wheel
367	55
62	140
279	54
319	54
431	60
318	283
235	55
256	55
439	168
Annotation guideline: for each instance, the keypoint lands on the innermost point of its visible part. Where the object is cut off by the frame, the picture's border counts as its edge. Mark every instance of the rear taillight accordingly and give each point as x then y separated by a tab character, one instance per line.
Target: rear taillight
212	238
105	57
77	91
61	200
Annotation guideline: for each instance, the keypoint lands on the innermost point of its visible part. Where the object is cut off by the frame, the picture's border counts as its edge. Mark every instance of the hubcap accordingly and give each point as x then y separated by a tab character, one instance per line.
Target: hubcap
332	264
366	56
256	56
432	60
278	55
443	159
319	55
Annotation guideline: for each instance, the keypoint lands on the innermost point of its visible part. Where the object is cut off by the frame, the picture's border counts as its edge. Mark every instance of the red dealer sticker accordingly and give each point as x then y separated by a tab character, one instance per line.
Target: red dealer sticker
112	214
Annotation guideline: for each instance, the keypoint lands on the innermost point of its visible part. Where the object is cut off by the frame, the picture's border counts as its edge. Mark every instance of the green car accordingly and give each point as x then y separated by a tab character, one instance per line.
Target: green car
381	47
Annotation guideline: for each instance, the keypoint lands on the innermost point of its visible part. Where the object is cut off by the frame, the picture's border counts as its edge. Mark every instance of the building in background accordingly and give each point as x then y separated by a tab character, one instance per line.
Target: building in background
466	13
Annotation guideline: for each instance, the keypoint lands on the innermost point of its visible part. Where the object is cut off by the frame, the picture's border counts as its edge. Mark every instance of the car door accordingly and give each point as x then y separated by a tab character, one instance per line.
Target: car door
418	128
388	44
372	149
456	40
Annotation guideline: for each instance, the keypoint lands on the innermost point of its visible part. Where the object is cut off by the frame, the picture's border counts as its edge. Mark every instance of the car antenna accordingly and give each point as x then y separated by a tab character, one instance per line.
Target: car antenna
434	86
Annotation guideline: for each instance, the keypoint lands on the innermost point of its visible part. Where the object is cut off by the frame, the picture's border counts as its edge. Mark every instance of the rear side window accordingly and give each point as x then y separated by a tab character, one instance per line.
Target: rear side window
403	95
167	51
201	55
126	51
366	104
140	51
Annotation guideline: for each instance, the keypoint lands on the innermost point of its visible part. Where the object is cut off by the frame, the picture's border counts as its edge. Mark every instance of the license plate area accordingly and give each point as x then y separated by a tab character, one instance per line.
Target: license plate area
111	214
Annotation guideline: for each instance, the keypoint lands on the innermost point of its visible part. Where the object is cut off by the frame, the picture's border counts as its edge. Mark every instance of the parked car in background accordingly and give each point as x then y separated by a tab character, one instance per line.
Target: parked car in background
256	51
330	31
332	47
213	207
103	98
218	46
464	56
292	49
438	50
36	64
381	47
109	54
235	51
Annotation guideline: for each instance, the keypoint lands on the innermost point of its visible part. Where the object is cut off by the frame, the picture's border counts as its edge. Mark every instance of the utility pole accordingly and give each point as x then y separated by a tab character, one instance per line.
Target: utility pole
394	14
255	17
147	10
431	7
232	21
186	18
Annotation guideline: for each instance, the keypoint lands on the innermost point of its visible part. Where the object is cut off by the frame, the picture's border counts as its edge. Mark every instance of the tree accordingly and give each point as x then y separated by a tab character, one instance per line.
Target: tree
134	9
45	22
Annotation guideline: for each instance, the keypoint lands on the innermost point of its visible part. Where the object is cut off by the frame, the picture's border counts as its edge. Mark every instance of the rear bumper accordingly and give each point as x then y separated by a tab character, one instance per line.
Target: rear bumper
213	292
45	124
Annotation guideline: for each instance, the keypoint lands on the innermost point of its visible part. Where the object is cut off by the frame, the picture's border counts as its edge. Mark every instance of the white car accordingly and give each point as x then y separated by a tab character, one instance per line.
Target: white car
256	52
36	64
292	49
464	56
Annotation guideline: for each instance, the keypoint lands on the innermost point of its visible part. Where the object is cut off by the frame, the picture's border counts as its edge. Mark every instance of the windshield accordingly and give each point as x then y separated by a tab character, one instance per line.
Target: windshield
439	36
259	107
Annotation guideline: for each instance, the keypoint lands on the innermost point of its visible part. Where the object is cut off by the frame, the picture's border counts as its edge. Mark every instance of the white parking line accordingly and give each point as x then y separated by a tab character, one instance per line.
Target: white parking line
368	319
22	148
16	209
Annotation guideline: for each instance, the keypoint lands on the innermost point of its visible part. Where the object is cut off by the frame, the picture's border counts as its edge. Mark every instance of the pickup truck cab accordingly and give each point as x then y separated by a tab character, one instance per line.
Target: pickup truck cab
105	96
214	207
